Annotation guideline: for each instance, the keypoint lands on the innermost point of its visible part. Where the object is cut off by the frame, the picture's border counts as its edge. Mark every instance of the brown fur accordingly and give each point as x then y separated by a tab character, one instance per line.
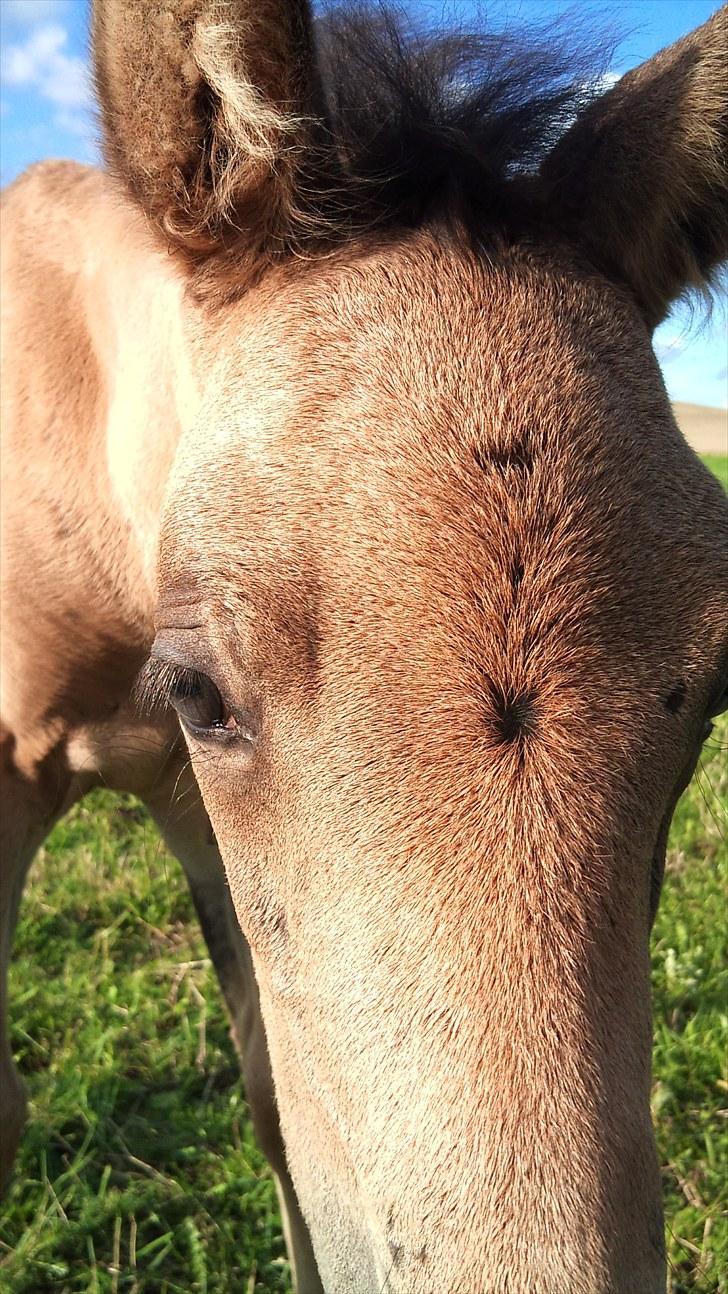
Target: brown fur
416	508
197	140
642	177
375	136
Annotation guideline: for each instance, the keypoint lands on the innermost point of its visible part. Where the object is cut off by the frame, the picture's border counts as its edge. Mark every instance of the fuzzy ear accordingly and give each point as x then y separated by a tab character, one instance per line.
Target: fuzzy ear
207	108
641	178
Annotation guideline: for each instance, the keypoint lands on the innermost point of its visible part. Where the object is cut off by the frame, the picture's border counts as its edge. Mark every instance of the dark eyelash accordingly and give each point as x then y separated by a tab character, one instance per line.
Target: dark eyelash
159	682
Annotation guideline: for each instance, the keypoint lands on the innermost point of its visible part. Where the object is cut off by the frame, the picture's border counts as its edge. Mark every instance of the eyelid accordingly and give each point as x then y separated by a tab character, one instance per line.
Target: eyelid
157	681
155	690
162	674
176	651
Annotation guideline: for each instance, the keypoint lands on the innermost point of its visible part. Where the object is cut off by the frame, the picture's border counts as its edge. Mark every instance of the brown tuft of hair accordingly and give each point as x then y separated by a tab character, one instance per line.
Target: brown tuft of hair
641	178
249	130
207	108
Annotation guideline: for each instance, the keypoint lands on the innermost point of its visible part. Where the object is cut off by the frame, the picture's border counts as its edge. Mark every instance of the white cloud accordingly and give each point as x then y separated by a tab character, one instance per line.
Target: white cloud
75	123
28	13
41	62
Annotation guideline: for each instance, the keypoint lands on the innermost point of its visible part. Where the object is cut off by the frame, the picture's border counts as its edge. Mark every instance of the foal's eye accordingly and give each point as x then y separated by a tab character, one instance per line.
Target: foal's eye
199	705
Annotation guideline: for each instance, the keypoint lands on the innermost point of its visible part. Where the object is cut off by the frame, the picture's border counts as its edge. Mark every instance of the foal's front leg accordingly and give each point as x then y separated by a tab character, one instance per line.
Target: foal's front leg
29	805
178	811
15	858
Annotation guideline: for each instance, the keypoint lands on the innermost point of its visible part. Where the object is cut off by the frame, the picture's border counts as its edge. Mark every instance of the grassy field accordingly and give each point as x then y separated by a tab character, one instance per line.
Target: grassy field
704	428
719	466
139	1172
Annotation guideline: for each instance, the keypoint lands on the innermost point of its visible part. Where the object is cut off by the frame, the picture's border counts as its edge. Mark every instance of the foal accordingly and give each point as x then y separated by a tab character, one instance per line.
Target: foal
336	394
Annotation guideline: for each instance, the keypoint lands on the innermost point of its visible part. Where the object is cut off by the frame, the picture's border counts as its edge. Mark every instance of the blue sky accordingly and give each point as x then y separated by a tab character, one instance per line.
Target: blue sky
46	110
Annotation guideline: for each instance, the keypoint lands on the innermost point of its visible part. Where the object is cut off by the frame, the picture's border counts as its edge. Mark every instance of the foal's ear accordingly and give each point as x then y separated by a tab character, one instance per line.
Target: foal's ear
641	178
207	108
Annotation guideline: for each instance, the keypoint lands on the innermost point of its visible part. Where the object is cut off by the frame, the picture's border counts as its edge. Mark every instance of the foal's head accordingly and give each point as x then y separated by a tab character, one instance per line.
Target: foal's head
442	602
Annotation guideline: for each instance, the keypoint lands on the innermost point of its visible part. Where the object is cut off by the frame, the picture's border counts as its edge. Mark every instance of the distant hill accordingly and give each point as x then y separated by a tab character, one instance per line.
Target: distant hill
705	429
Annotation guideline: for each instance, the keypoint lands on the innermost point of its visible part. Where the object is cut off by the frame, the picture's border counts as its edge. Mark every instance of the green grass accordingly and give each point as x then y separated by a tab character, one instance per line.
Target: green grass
718	464
139	1174
139	1170
690	980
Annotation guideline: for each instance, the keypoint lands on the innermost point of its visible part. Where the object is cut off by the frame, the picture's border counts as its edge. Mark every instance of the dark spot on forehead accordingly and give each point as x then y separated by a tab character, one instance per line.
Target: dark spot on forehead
674	699
514	715
517	573
515	455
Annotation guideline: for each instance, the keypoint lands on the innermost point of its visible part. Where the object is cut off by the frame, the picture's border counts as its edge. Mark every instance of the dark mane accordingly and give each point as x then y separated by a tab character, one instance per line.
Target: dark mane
424	123
247	141
422	126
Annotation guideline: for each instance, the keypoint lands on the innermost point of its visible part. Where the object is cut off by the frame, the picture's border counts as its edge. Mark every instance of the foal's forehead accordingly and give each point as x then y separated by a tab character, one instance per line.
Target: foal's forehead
424	313
421	370
462	461
438	301
425	342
